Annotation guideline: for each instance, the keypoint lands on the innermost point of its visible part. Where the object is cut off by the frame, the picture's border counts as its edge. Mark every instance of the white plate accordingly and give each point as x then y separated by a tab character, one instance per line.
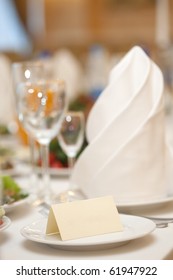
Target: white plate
18	169
57	171
6	223
134	227
60	171
144	205
13	206
24	168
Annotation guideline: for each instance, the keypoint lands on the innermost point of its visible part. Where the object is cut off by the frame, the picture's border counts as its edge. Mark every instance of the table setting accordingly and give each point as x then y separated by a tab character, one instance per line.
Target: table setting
115	199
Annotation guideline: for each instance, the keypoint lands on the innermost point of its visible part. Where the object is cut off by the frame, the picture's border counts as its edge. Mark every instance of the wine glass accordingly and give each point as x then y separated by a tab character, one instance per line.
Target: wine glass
28	71
41	106
71	135
71	138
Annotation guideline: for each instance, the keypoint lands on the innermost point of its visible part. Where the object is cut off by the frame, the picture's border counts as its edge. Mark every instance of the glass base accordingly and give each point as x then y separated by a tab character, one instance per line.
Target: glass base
68	196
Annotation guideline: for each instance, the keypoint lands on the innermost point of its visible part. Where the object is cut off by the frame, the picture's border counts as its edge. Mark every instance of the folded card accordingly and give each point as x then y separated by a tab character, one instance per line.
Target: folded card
83	218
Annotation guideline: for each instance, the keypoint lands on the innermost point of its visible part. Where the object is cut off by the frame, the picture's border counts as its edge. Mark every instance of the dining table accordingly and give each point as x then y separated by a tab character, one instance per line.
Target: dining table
156	245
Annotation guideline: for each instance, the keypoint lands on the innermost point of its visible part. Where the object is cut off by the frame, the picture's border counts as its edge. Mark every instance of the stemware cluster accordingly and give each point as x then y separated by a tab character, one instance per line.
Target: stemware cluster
41	105
27	72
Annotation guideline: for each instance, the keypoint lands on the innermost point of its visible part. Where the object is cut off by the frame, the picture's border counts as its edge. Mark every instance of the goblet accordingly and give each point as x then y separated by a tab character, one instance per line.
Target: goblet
28	71
71	135
41	106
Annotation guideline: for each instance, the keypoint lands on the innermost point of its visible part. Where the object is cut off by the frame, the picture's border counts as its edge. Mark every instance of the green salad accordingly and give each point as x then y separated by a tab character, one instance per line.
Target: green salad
11	191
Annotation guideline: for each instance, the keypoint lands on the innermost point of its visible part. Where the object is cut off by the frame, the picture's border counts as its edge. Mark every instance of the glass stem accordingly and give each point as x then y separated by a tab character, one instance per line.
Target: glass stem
33	161
71	162
45	171
32	151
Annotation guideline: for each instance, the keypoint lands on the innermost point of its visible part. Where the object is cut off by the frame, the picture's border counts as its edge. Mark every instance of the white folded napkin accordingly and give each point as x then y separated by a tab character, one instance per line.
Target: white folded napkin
127	155
7	108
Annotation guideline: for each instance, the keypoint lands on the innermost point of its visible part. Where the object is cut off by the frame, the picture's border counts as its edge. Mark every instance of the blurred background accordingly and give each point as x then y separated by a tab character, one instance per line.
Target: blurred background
80	41
40	25
84	39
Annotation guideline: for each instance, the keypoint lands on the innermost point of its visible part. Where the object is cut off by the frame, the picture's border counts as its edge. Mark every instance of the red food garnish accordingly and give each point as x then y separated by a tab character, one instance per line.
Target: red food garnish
57	164
52	158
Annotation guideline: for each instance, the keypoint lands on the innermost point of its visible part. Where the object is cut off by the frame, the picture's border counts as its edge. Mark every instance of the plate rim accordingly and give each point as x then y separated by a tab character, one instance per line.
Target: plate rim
15	170
61	171
7	223
72	243
152	202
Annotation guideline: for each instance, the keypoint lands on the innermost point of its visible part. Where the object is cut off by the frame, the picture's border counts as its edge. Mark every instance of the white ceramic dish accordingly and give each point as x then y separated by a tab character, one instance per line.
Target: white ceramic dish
6	223
57	171
13	206
134	227
24	168
144	205
18	169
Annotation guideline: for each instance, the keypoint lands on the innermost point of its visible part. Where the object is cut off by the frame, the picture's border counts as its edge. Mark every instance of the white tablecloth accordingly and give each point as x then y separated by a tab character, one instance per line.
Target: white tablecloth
13	246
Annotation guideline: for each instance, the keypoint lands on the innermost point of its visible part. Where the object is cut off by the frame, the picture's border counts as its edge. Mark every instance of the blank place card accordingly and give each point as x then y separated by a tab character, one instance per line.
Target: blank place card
82	218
